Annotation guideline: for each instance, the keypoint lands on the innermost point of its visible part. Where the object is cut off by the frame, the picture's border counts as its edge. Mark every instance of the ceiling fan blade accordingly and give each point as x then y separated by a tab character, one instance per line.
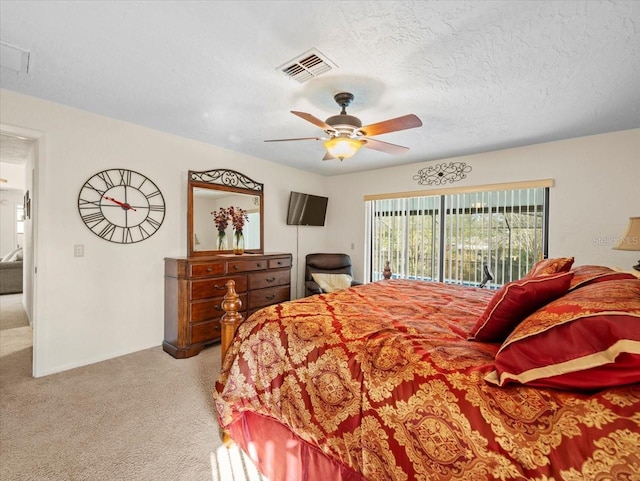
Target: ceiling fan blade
299	138
392	125
314	120
385	147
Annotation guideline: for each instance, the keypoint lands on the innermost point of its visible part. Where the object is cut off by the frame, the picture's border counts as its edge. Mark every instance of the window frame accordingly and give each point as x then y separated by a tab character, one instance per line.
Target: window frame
443	195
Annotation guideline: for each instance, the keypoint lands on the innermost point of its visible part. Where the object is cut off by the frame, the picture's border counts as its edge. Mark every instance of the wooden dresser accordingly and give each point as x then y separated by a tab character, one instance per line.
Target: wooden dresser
194	288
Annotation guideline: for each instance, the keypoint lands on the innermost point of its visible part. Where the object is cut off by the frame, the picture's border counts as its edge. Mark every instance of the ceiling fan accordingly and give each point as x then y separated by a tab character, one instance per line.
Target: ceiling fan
346	133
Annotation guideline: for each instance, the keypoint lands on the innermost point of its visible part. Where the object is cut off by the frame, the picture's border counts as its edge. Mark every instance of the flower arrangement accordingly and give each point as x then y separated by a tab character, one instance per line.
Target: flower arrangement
238	217
221	219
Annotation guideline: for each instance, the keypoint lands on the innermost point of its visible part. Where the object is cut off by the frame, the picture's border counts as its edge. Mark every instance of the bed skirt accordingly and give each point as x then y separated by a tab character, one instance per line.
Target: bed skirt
281	455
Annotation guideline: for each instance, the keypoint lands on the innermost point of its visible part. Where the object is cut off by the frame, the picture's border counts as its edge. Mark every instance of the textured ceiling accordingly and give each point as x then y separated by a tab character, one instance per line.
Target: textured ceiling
482	75
14	150
13	155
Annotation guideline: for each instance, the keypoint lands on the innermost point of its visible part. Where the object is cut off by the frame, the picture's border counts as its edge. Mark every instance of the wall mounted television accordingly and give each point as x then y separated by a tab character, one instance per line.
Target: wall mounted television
306	209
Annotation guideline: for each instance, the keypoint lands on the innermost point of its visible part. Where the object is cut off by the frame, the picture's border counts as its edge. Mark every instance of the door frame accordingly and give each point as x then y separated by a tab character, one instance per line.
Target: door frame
33	292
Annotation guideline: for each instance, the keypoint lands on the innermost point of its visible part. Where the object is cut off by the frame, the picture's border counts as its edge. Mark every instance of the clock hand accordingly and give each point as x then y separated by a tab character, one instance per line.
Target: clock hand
124	205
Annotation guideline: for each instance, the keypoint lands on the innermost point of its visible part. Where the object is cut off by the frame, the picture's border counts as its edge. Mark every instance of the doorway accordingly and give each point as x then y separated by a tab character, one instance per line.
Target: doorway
20	151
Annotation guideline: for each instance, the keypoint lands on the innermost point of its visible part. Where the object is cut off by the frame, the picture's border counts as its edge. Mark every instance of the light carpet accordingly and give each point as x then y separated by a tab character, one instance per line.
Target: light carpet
12	313
143	416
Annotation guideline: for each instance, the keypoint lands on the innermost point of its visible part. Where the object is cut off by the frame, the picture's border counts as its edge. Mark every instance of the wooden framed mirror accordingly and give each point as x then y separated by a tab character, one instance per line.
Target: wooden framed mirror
208	191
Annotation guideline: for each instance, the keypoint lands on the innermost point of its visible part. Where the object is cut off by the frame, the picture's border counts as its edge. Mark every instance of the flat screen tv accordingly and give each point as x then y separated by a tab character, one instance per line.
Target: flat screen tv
306	209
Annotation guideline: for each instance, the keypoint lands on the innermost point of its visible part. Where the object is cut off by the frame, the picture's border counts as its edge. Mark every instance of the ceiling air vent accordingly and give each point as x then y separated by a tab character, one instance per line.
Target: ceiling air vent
14	58
307	66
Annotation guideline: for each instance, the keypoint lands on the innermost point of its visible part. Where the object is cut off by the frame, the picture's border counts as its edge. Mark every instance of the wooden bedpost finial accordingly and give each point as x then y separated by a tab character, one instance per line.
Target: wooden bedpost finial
230	321
231	302
386	273
231	318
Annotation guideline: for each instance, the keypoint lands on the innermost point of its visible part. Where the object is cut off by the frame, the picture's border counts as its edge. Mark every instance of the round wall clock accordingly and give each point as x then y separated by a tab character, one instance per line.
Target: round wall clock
121	206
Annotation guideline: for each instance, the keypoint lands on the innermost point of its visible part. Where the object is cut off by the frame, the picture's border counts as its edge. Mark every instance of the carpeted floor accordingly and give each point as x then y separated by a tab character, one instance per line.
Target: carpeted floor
12	313
143	416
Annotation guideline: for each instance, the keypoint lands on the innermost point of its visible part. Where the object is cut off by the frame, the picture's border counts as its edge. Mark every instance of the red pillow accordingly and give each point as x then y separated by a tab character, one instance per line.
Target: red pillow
515	301
587	340
550	266
585	275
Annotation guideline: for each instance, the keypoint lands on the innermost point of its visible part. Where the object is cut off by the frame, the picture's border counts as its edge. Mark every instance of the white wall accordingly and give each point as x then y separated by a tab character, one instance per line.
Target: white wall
9	239
597	188
110	302
11	195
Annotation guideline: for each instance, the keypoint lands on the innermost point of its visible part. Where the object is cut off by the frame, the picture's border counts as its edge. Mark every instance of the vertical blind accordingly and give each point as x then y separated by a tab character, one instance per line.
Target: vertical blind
451	237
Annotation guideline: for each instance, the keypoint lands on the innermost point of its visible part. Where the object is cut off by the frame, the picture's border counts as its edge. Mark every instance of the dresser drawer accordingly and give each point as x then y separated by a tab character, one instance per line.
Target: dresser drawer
268	296
246	265
206	269
211	309
260	280
276	263
194	290
205	331
206	288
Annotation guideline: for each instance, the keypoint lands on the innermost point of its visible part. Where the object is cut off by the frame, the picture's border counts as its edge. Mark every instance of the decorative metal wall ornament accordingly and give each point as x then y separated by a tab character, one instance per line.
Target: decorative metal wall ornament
442	173
227	177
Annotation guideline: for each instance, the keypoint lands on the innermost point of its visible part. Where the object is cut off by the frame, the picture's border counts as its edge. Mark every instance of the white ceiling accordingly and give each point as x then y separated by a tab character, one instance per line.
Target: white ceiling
14	151
482	75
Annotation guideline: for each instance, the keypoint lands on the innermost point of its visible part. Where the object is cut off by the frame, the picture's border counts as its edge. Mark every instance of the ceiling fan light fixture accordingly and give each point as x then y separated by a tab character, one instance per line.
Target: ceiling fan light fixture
346	133
343	147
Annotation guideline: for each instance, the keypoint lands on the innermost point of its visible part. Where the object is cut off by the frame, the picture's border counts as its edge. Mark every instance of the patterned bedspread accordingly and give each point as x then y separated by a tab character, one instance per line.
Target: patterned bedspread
382	379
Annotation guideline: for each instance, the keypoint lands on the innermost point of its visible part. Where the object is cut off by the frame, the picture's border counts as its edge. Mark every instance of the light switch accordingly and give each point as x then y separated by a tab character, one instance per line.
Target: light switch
78	250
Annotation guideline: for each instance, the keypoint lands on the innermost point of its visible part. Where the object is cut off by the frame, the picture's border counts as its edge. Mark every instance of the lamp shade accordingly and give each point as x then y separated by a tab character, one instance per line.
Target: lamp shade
630	240
342	147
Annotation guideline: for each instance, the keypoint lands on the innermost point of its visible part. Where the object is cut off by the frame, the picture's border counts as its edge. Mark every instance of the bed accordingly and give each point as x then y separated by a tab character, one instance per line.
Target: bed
410	380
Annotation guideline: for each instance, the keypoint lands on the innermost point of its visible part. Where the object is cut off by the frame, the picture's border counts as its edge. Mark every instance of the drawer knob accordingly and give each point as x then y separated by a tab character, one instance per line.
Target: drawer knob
270	296
270	279
236	266
259	265
209	269
220	288
279	263
217	308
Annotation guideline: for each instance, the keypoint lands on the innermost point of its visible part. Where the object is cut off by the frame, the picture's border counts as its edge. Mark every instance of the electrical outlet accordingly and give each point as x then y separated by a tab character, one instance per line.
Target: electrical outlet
353	246
78	250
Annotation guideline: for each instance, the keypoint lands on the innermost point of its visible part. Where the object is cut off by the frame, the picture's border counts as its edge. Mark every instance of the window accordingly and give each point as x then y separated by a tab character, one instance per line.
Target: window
251	229
19	219
450	237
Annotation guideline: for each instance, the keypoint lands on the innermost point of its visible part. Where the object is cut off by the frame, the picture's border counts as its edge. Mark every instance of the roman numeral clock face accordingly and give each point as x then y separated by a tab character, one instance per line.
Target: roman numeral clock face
121	206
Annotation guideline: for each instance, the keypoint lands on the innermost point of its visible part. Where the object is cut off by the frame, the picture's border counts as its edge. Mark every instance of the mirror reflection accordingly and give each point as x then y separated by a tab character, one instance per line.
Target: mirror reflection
206	203
220	198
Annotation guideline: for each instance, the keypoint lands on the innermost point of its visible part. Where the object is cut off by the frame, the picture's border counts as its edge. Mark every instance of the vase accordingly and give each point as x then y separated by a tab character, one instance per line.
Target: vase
222	240
238	243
